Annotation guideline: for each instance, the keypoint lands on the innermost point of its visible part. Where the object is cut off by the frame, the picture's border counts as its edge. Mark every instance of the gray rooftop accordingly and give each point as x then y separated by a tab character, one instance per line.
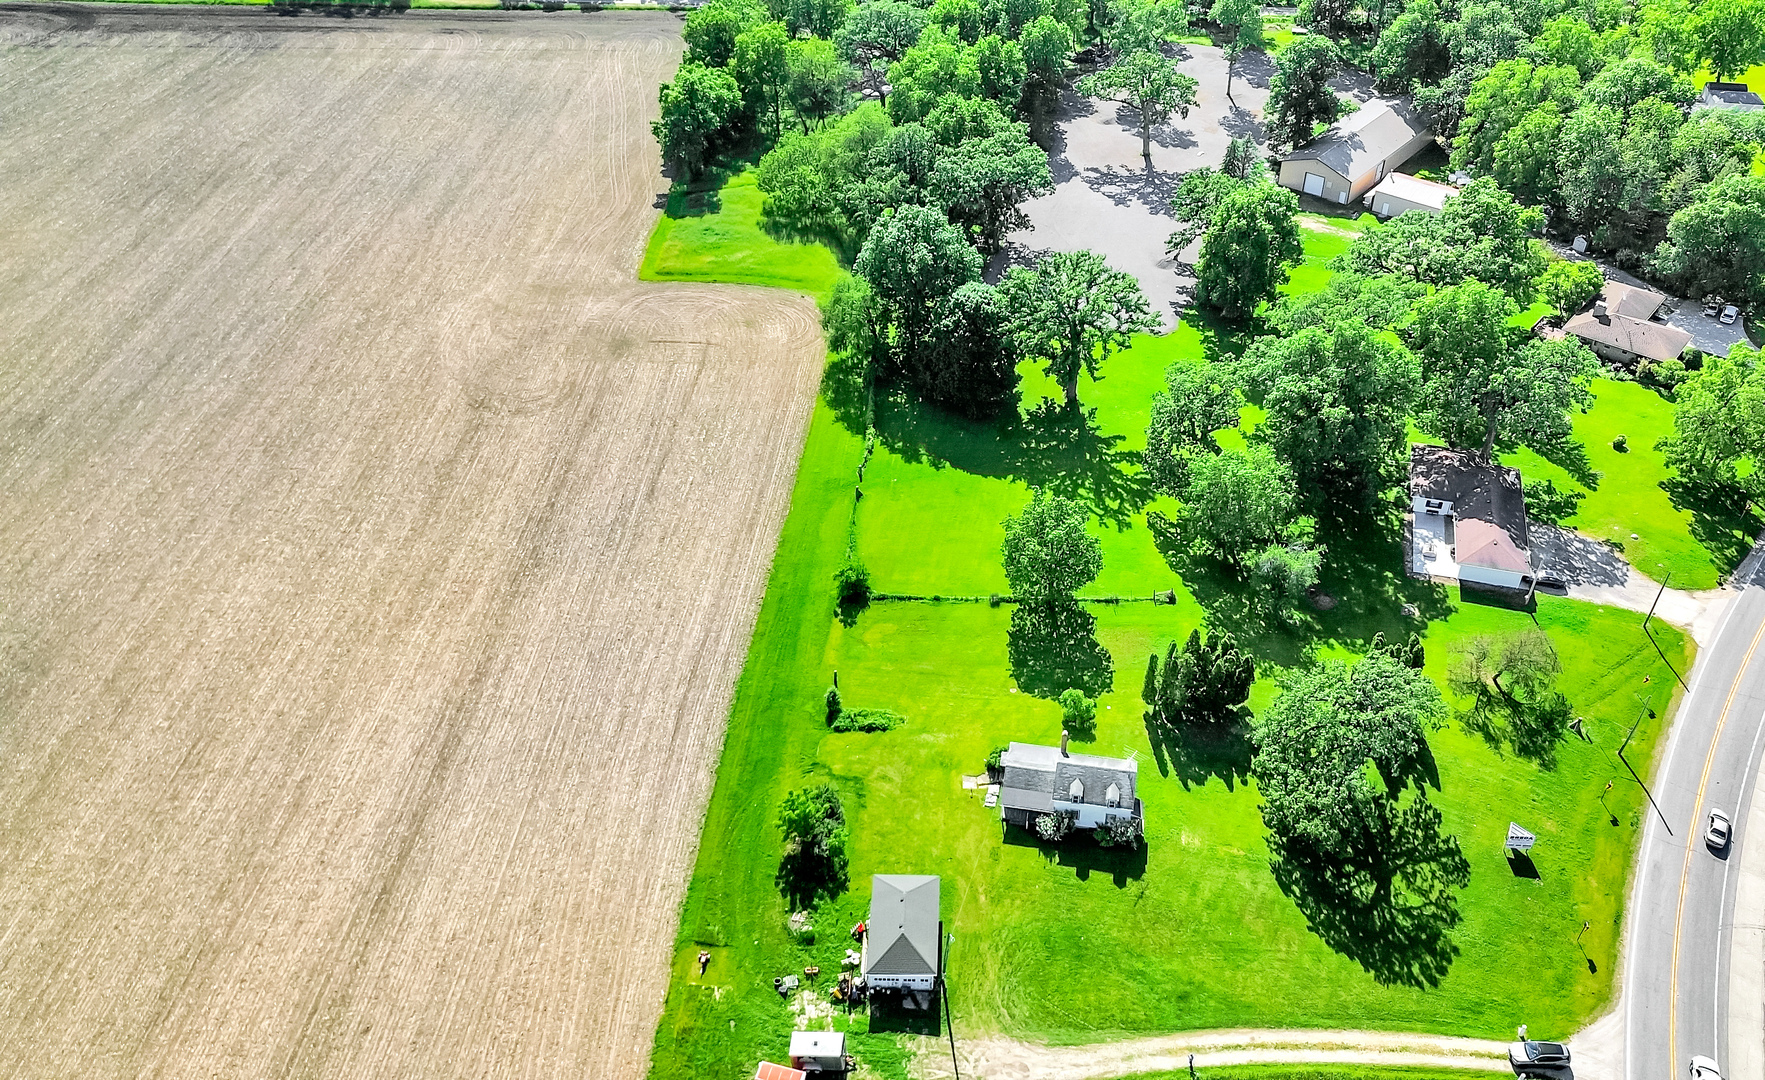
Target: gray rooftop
1357	143
1034	776
902	933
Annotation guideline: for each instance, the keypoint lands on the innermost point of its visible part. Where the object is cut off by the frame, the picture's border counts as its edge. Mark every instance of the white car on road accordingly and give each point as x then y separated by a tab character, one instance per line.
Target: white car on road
1718	832
1703	1068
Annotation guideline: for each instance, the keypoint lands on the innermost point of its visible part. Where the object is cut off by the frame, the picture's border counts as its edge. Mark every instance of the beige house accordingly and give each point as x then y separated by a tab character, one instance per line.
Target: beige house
1344	163
1400	193
1621	328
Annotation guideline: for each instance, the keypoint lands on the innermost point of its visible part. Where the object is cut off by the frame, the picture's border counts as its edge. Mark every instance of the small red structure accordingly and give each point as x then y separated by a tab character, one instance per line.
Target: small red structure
769	1071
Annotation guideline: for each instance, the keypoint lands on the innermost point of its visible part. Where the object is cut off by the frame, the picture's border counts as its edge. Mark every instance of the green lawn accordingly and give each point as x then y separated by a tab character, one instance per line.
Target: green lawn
1082	944
1628	492
714	234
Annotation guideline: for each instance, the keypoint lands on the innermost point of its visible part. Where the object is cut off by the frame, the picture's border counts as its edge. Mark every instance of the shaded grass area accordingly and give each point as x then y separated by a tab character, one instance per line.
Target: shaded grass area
1678	529
1190	931
712	232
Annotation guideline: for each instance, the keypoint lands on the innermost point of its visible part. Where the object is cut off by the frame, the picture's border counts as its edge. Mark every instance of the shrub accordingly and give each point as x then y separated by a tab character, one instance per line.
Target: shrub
866	720
1057	826
1621	444
1118	832
1077	711
854	582
833	703
994	758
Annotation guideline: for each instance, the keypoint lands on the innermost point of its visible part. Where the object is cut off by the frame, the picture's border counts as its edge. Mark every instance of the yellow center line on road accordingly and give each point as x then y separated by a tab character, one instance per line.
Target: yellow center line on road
1697	810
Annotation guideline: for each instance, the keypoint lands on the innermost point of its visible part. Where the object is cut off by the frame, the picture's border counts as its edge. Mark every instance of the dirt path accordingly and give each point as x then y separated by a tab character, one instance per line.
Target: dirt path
378	555
998	1058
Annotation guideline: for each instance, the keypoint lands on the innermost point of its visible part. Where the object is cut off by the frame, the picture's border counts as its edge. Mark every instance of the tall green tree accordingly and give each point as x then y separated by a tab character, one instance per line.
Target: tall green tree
1719	423
1002	70
1196	402
913	259
1300	97
813	18
1239	501
1487	383
1717	244
1414	49
1369	867
1072	312
1512	92
697	108
1204	682
815	861
1569	286
1143	25
1047	54
762	71
817	80
1049	554
1241	27
877	34
1147	82
938	65
1482	234
1730	35
1590	165
711	30
983	183
1337	401
1250	242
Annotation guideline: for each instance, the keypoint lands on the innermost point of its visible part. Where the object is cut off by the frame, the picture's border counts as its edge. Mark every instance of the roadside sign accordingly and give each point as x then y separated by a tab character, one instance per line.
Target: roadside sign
1519	839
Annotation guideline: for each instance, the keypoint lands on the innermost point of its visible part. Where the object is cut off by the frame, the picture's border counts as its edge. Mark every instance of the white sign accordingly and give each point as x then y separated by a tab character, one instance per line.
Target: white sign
1519	839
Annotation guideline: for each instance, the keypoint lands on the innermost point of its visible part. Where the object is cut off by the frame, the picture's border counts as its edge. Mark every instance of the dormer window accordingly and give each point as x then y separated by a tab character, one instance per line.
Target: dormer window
1077	791
1113	796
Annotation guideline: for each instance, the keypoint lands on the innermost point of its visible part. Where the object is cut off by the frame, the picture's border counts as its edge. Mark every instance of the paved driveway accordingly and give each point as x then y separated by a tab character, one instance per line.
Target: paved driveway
1109	199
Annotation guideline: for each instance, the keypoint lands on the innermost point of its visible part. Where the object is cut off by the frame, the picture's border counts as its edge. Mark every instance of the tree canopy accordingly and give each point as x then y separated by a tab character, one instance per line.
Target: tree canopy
1071	311
1487	384
1147	82
1049	554
1300	97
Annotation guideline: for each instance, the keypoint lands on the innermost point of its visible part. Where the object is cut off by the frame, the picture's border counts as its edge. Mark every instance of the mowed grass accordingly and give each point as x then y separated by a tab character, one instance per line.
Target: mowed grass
1080	944
715	235
1629	492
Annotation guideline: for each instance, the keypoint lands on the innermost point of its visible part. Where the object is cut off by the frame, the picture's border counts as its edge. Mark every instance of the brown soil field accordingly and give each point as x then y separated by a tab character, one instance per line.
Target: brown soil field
377	556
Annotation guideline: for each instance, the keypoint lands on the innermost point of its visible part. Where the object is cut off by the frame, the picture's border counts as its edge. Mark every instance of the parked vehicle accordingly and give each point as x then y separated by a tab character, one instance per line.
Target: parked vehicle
1719	830
1729	314
1703	1068
1712	306
1544	1059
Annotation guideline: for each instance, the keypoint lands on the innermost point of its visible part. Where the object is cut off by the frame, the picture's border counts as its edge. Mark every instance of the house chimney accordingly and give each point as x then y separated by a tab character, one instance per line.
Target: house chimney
1063	752
1599	309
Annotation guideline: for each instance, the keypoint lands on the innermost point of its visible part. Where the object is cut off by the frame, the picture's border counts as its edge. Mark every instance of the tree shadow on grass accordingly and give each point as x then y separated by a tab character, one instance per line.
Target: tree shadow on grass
1721	519
1084	856
1362	592
1527	729
806	877
1388	901
1051	447
1054	648
1570	456
1197	754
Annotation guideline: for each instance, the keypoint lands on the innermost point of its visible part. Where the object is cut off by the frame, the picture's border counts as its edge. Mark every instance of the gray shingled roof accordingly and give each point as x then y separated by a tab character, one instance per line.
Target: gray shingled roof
1638	337
1036	775
1357	143
1478	491
902	934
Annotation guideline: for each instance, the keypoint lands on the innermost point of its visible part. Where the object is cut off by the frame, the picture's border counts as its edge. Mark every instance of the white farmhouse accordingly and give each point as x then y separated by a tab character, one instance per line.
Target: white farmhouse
1040	780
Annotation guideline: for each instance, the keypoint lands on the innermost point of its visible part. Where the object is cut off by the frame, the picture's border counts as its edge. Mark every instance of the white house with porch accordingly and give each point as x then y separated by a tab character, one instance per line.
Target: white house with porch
903	946
1467	520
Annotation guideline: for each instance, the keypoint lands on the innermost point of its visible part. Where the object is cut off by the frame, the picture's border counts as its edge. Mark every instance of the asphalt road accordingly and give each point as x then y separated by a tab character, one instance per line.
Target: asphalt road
1676	974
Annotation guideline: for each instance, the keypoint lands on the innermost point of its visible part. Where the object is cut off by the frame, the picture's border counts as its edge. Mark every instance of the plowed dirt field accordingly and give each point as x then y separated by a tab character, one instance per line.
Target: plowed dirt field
377	556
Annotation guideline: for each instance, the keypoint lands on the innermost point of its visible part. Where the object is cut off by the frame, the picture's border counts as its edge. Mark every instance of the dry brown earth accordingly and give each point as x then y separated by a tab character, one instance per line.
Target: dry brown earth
377	556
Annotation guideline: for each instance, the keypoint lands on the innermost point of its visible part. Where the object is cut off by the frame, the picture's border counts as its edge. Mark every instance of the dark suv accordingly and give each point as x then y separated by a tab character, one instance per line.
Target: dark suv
1539	1059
